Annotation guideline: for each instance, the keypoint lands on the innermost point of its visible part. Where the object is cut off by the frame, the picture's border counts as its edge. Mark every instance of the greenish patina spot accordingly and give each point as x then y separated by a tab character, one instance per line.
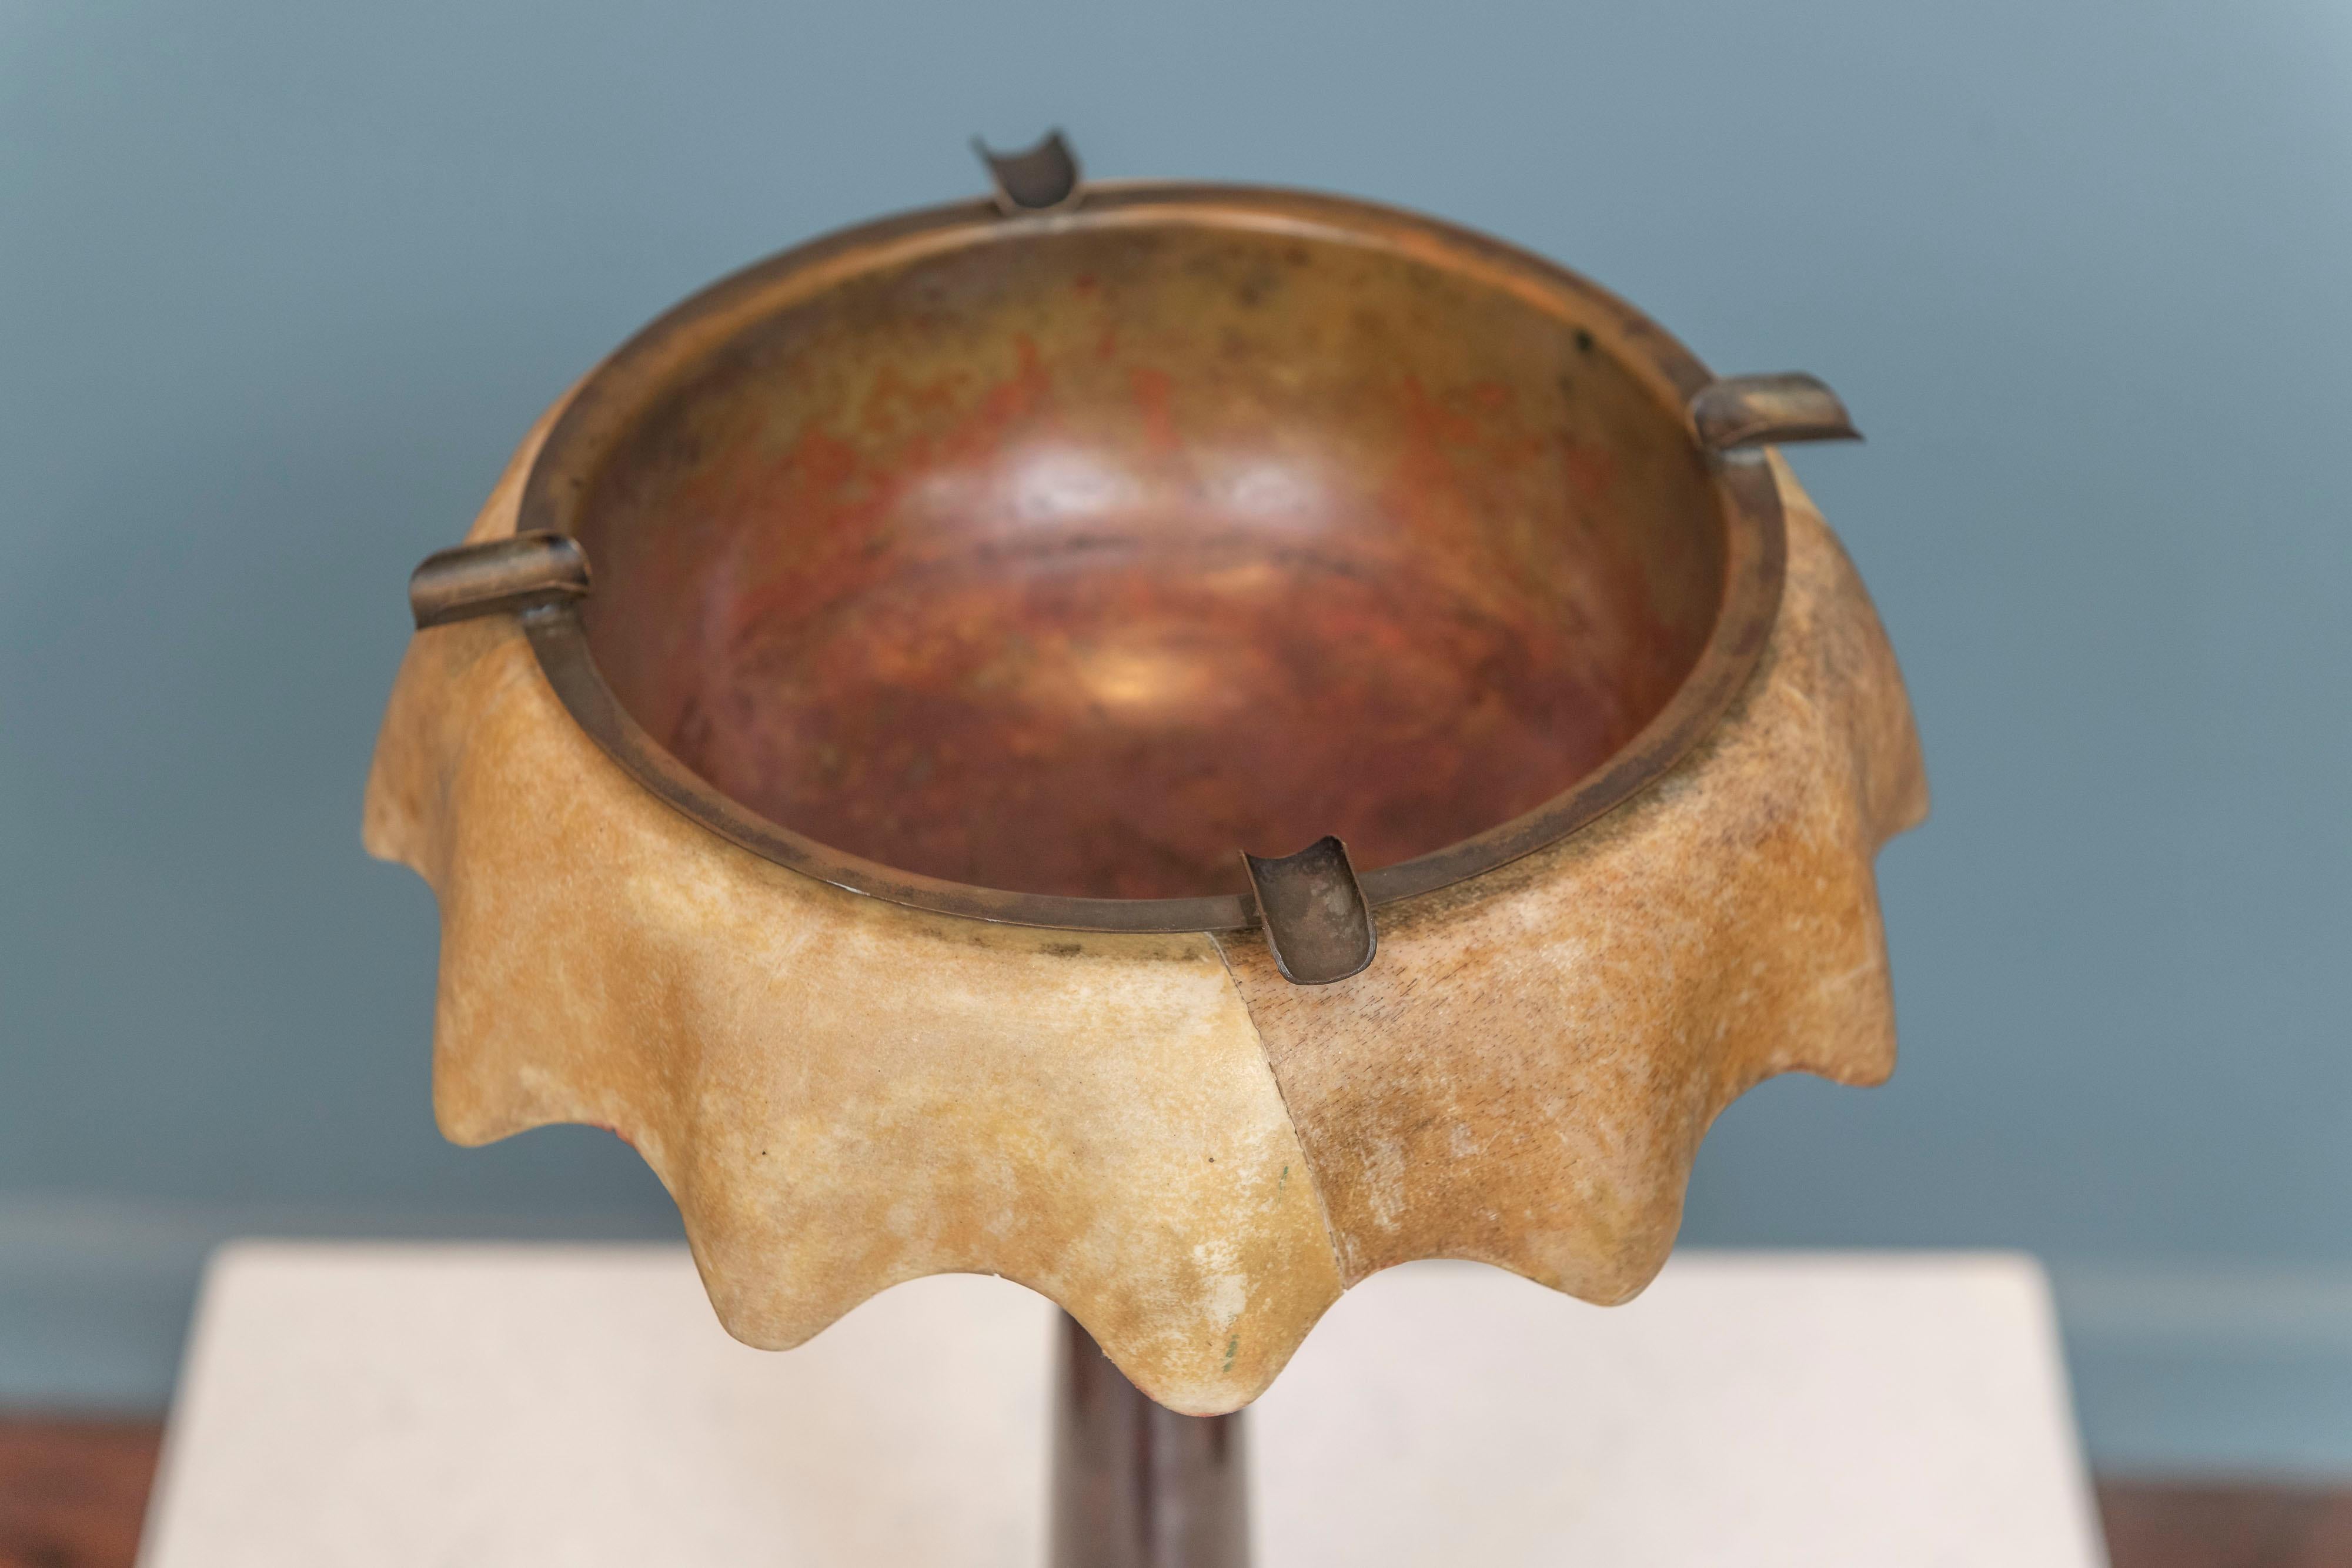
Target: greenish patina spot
1232	1346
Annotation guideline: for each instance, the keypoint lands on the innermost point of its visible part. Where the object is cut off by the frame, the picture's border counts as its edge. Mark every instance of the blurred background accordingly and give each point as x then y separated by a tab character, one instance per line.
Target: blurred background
281	285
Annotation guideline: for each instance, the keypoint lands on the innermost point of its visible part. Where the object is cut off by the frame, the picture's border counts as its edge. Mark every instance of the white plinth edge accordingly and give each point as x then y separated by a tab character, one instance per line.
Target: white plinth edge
368	1405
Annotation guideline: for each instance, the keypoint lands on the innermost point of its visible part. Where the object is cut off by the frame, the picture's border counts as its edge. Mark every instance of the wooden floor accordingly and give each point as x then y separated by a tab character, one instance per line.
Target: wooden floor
72	1494
2208	1526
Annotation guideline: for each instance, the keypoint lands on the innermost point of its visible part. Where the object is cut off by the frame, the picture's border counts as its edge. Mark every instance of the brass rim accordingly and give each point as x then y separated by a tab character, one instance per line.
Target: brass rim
1756	545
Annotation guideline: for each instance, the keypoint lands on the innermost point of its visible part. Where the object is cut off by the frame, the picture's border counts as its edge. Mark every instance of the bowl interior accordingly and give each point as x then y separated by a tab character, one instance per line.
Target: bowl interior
1080	561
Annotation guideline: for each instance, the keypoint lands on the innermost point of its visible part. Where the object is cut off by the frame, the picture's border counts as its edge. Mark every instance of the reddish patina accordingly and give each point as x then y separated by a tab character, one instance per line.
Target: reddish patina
1080	567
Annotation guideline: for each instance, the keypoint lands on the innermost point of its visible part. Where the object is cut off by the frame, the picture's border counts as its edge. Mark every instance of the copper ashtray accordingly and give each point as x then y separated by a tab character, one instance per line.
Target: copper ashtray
1181	744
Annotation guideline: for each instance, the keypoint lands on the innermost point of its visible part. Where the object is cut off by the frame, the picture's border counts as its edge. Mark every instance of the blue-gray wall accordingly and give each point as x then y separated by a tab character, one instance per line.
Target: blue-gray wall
280	284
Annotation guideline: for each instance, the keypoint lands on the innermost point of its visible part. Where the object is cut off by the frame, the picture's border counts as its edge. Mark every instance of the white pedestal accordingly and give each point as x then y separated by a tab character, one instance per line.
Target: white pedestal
412	1406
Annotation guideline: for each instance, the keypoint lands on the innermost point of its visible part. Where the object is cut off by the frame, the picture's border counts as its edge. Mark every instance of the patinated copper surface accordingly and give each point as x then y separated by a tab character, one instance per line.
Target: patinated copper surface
1070	558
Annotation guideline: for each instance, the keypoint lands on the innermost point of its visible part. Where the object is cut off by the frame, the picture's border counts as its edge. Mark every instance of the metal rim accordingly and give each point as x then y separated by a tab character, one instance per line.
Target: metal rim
607	402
